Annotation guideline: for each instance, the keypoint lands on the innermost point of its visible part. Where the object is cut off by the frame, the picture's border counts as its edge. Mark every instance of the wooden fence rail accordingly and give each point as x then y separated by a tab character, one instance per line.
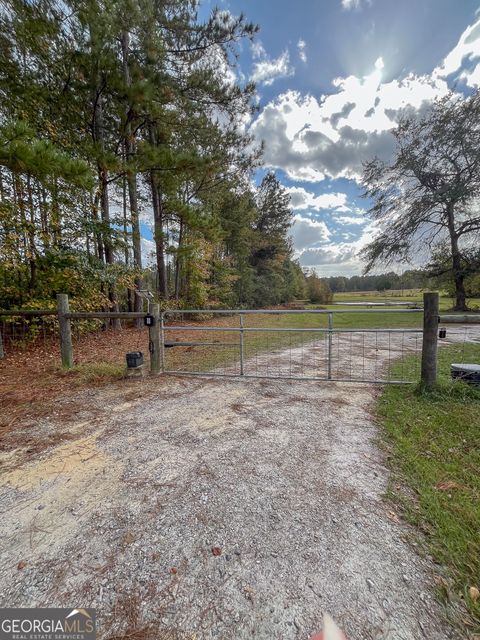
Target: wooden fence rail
101	315
27	313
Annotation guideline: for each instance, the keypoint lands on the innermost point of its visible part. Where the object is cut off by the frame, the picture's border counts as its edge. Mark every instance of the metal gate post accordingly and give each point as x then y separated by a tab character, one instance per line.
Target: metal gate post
162	342
330	337
154	339
242	345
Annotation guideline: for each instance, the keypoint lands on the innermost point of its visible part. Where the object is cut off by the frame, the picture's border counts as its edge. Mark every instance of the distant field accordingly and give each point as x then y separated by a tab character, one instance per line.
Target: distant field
378	296
396	295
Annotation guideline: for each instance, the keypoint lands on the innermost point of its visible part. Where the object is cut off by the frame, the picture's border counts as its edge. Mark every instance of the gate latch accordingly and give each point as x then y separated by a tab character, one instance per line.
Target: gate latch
149	320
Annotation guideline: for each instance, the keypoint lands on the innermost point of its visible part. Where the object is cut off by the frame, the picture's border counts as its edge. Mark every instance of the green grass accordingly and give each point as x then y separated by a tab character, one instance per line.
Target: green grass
435	446
96	373
408	295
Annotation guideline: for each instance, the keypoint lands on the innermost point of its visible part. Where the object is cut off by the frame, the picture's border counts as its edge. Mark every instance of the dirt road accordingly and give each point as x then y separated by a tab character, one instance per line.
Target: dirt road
215	508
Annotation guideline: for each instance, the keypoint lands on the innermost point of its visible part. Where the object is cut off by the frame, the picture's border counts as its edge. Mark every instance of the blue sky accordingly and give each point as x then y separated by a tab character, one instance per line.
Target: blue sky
332	78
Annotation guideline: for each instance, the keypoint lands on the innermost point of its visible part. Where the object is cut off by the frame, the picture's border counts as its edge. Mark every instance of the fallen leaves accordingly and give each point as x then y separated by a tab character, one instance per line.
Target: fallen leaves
249	592
474	593
391	515
21	565
448	485
442	585
216	551
128	538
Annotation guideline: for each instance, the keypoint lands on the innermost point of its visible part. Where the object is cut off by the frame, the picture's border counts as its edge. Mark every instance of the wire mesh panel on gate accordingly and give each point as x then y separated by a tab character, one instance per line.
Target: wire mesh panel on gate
261	344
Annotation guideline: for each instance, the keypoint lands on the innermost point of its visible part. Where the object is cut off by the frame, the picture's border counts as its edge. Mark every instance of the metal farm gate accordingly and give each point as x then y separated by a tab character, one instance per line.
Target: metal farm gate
293	344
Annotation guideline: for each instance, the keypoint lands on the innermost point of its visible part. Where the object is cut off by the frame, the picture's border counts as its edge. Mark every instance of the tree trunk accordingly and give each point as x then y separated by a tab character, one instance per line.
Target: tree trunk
28	237
97	235
158	227
43	206
31	236
132	185
99	137
126	248
457	268
459	279
105	214
178	261
56	215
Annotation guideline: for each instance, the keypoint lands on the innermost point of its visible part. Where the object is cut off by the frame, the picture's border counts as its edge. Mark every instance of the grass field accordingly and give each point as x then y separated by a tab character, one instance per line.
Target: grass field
435	446
405	295
397	295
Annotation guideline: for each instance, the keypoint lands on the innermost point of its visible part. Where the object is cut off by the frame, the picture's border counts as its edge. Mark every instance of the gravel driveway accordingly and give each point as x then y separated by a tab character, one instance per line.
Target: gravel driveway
216	508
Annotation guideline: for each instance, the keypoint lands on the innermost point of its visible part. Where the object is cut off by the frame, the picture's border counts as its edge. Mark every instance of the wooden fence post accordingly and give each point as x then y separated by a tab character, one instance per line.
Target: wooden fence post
66	348
430	337
154	344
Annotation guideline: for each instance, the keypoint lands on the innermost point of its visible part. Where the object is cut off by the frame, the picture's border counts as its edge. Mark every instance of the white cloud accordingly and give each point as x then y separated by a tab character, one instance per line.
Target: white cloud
307	232
350	4
266	71
314	137
349	220
339	258
331	255
311	138
467	50
302	199
148	252
472	78
257	49
301	45
353	4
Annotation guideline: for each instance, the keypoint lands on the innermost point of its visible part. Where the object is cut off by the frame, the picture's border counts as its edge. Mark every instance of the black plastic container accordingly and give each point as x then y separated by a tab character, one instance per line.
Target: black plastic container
134	359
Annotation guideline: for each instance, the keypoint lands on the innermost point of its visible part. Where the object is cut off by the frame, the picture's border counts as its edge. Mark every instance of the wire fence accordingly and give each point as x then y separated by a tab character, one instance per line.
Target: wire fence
24	332
463	342
94	341
97	341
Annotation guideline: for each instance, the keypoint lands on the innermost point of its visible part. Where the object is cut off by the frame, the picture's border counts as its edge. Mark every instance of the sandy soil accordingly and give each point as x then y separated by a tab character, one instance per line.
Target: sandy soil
215	508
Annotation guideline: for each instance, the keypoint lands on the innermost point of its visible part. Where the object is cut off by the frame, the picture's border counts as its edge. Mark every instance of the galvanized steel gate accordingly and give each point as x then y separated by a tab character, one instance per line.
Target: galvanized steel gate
280	344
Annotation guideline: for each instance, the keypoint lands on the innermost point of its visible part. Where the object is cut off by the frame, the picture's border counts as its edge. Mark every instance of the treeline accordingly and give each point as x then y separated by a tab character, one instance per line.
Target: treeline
427	278
411	279
130	113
